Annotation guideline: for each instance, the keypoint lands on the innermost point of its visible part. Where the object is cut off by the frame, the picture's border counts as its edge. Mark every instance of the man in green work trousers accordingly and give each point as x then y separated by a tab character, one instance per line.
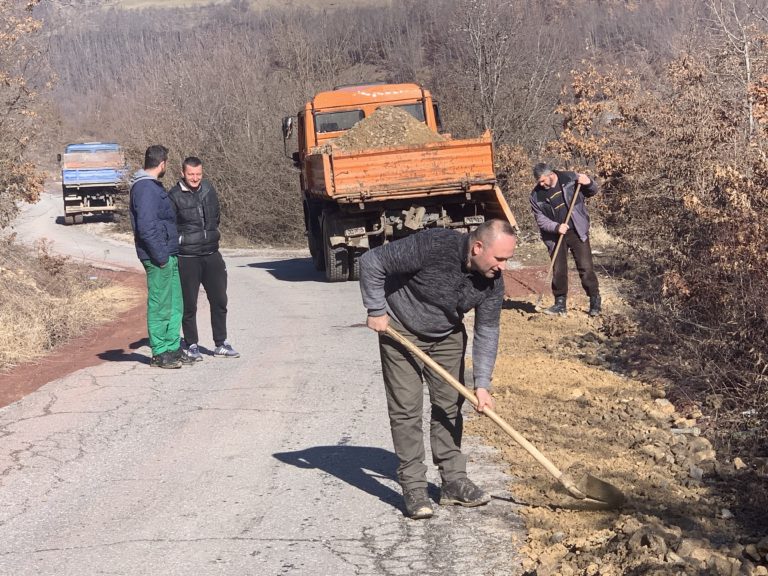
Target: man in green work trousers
157	246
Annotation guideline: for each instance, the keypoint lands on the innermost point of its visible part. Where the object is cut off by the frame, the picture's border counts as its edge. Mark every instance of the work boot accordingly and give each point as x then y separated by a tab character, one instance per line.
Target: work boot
417	504
165	360
463	492
558	308
183	357
595	304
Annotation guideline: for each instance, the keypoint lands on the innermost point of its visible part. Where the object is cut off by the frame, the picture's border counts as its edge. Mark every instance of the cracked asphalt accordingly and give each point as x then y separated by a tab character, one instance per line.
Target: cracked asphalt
279	462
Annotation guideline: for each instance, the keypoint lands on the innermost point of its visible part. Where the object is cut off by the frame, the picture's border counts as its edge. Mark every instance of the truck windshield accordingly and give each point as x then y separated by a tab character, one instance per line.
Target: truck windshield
336	121
415	110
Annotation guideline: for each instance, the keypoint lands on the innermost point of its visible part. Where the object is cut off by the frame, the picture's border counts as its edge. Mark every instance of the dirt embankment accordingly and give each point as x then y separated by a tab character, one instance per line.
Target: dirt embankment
687	511
58	316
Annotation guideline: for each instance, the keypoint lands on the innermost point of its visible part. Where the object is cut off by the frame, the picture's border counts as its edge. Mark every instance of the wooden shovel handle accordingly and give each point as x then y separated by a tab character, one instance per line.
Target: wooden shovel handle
469	395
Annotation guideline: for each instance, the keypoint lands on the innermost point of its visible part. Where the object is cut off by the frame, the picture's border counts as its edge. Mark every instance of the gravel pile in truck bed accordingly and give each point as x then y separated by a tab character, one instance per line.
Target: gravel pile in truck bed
386	127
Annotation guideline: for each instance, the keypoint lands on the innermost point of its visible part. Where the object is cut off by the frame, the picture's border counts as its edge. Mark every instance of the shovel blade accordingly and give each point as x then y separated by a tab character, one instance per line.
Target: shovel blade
600	490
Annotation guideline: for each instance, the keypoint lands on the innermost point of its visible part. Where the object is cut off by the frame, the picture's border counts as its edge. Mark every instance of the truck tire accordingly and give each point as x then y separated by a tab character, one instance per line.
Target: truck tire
69	220
315	242
336	259
78	218
354	264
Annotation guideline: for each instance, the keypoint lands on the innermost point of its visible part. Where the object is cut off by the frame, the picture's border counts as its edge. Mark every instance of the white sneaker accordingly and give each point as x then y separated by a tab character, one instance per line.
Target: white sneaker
226	351
193	352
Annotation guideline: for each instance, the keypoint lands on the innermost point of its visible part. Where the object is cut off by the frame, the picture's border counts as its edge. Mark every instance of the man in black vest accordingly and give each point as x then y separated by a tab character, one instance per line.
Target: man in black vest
550	201
200	262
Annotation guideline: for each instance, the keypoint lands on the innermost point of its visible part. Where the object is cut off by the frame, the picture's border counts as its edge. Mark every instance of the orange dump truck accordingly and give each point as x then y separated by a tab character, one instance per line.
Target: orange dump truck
357	199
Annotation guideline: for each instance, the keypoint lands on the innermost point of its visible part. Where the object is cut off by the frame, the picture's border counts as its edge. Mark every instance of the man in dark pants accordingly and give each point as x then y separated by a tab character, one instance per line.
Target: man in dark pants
200	262
422	286
156	240
550	201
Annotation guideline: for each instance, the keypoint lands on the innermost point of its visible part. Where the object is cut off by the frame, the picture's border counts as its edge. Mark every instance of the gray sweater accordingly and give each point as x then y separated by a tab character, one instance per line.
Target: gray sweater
423	282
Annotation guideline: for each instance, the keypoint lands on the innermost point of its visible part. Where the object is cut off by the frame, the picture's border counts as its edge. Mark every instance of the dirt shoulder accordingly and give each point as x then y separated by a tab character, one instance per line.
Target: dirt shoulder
558	382
107	341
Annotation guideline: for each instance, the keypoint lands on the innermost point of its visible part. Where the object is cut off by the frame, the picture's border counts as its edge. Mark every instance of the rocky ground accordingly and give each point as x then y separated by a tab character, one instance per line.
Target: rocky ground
386	127
560	382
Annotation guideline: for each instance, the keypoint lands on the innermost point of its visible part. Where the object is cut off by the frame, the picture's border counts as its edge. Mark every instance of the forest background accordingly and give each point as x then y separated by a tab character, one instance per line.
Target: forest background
665	101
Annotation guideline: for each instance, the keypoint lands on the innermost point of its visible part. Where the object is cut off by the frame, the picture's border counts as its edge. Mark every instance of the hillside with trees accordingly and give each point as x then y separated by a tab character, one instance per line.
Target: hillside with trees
666	101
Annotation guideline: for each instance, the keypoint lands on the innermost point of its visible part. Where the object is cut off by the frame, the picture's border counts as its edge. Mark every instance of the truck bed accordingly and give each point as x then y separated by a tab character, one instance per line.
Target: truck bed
403	172
92	168
103	177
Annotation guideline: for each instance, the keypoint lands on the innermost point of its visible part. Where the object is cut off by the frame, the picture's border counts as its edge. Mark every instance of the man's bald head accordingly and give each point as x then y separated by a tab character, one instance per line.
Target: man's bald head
488	231
490	246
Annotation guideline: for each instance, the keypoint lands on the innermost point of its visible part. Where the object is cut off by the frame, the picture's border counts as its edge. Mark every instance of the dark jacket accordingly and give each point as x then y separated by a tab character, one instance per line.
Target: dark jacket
153	220
197	218
423	282
545	213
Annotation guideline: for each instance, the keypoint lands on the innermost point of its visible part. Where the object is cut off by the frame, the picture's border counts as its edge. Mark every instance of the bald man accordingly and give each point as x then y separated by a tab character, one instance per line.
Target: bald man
422	286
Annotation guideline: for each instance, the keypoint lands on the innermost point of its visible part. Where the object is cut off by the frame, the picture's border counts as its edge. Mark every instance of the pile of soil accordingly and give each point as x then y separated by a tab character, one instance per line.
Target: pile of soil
559	383
386	127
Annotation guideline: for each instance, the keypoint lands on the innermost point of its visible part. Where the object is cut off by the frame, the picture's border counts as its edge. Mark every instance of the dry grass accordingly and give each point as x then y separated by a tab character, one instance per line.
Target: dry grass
47	299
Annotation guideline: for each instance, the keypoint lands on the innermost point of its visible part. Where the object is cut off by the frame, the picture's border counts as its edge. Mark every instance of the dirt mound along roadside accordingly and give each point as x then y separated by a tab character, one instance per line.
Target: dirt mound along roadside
683	514
387	127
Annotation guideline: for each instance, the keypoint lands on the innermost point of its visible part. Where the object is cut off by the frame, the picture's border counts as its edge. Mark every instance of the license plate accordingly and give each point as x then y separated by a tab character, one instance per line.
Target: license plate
352	232
474	219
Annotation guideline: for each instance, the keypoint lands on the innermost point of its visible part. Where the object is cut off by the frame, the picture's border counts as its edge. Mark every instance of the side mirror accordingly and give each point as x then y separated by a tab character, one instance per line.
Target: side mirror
58	157
287	127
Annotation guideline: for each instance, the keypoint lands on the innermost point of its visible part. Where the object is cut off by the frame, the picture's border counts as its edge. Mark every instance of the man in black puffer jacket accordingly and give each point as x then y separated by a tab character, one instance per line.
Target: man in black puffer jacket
200	262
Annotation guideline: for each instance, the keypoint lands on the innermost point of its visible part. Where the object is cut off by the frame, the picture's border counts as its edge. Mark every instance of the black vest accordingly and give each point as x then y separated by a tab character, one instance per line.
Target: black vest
197	218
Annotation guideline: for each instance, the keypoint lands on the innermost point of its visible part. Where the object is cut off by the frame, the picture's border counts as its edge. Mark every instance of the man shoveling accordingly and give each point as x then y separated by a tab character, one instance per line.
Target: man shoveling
422	286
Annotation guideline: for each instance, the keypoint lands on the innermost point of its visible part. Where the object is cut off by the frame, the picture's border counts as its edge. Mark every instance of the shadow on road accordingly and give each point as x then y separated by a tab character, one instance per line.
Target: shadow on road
358	466
120	354
90	218
528	307
291	270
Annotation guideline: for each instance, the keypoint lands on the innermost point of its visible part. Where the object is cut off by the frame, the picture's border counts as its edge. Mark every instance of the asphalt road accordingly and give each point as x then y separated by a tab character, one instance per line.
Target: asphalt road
279	462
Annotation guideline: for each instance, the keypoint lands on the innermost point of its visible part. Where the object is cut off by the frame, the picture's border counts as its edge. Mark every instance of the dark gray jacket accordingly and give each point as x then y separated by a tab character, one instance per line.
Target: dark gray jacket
423	282
544	212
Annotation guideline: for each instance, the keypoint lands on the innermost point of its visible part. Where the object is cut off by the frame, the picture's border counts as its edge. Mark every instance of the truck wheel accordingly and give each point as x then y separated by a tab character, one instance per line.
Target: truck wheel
354	264
336	259
78	218
315	243
69	220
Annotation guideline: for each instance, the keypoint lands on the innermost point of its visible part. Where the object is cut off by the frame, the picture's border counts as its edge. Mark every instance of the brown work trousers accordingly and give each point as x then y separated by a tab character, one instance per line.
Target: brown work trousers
404	378
582	255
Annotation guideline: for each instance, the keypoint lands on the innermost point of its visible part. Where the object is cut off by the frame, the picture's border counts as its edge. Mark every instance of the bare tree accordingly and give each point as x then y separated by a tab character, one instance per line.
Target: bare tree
735	22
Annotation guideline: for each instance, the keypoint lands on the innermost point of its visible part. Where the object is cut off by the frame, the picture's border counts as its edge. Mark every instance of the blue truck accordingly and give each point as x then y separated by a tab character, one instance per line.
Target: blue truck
93	174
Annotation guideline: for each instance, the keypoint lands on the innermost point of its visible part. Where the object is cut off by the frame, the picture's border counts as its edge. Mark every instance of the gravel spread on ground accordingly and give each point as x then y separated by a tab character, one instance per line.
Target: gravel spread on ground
688	511
387	127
